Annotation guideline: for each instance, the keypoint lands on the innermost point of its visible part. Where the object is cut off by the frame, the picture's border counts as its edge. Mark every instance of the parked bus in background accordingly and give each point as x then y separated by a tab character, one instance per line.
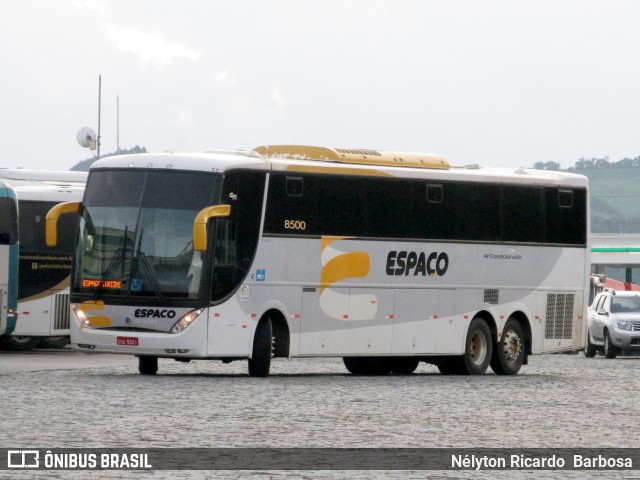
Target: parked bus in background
8	258
383	259
43	283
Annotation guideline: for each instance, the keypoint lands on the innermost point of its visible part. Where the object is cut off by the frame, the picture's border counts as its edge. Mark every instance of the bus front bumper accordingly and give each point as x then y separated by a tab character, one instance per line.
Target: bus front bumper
190	343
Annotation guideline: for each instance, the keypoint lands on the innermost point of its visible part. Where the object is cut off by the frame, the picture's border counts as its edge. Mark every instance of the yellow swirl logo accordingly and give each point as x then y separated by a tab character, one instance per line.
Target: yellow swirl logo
337	266
86	310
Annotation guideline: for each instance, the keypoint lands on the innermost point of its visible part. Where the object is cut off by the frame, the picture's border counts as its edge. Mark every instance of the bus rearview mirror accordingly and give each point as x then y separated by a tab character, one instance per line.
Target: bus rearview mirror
200	224
51	229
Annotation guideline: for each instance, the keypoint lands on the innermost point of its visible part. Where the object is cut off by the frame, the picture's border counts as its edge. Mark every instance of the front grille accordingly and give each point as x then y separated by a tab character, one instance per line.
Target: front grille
559	320
131	329
636	326
61	312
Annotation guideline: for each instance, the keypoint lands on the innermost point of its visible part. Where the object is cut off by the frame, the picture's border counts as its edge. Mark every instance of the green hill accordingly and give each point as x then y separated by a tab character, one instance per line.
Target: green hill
614	192
84	165
617	187
615	199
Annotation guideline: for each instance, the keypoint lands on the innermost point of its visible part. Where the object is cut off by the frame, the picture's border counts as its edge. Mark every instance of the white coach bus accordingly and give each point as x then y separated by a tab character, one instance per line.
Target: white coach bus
44	272
8	259
384	259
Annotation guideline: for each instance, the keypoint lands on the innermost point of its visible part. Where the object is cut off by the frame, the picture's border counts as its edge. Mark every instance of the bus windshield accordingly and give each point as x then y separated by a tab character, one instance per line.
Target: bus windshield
136	234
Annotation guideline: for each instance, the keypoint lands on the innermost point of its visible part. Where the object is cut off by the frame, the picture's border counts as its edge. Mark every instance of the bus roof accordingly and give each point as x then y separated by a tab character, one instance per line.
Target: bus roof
205	162
354	156
319	160
15	176
44	185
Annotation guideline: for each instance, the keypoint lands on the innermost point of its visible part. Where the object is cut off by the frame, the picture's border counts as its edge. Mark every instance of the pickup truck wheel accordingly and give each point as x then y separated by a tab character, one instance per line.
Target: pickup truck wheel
610	350
590	349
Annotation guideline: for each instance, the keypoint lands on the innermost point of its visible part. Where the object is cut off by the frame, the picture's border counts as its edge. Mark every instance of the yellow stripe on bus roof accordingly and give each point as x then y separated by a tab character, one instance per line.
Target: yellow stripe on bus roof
356	156
364	172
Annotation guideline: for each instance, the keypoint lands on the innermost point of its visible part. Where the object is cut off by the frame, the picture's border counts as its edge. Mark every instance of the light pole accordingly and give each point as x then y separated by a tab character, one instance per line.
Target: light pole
99	104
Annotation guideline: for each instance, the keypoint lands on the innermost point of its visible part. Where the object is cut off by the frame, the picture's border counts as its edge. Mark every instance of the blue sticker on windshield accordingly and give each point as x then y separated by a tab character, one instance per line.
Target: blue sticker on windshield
136	285
260	274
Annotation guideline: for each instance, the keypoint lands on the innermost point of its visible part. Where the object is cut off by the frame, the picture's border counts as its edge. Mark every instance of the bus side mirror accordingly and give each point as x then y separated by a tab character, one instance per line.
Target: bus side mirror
200	224
51	231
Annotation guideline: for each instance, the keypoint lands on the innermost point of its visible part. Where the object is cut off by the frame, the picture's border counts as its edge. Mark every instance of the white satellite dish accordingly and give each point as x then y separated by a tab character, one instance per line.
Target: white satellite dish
87	138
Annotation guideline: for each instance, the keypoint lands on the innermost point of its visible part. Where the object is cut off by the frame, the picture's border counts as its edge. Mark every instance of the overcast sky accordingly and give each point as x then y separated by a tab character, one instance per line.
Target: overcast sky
495	82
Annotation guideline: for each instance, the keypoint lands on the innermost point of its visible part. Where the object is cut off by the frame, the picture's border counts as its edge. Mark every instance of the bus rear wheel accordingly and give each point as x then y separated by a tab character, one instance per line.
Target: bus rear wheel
368	365
404	365
54	342
18	343
508	353
477	352
260	361
147	365
451	366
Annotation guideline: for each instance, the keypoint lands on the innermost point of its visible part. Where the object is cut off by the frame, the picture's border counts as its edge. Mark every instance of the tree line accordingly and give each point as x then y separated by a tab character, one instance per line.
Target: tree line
85	165
588	163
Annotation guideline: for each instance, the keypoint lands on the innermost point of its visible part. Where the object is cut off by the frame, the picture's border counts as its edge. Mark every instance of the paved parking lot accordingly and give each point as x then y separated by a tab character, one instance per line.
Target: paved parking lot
56	399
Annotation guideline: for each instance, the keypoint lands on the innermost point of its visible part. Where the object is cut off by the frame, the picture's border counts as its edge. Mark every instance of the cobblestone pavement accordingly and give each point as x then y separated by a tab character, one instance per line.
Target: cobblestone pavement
101	402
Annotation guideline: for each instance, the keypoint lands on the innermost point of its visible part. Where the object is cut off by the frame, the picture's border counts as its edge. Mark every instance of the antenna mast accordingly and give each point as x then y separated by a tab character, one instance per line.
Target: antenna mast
99	104
118	123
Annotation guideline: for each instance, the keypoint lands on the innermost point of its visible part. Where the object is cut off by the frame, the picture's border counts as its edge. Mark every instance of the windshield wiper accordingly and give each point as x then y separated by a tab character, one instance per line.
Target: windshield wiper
120	255
153	278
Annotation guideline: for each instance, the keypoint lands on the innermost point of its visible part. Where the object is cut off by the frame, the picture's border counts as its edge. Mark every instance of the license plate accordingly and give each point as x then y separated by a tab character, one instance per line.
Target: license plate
128	341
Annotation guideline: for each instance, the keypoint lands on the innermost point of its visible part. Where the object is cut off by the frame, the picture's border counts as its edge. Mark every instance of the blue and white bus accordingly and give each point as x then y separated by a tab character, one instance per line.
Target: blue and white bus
44	272
8	259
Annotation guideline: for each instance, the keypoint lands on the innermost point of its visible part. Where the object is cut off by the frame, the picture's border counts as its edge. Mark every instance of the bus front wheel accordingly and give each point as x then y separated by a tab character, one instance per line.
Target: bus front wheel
508	354
148	365
260	361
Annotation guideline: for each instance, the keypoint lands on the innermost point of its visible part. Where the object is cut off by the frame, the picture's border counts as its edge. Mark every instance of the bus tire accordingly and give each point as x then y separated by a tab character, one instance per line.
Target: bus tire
355	365
54	342
18	343
451	366
508	352
368	365
478	348
590	349
147	365
404	365
610	350
260	361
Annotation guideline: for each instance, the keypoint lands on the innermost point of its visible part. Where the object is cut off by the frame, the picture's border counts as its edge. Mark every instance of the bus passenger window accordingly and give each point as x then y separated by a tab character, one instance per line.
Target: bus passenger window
565	198
294	186
434	193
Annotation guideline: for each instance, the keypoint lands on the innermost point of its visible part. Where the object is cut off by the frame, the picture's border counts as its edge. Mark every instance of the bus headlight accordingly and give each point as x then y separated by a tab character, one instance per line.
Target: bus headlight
82	317
187	320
